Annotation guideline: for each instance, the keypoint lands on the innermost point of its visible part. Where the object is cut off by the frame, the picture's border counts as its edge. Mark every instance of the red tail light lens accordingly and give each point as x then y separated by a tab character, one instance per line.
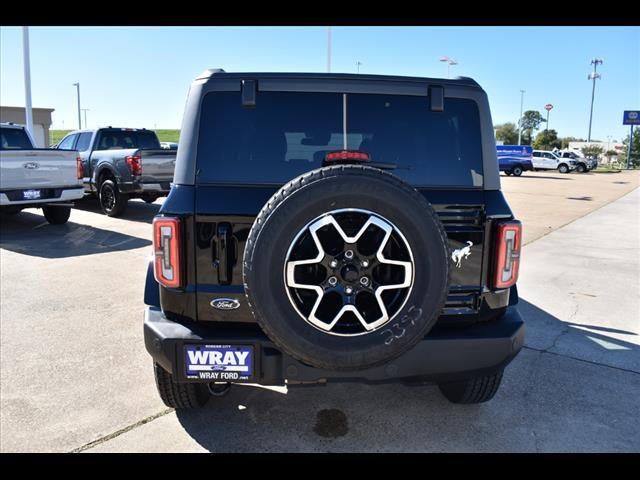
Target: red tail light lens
79	168
347	155
507	260
135	164
166	249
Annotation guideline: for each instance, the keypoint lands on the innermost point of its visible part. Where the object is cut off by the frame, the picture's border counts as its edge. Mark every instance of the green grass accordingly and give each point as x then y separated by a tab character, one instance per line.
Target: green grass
56	135
163	135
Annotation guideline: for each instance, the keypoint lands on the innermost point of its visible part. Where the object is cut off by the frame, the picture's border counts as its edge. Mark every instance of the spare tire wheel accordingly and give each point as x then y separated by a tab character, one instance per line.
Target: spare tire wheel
346	267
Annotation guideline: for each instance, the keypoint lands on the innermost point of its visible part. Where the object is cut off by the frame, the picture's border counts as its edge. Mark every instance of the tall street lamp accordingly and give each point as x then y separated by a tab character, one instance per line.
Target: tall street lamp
77	85
548	108
358	66
450	61
520	121
27	79
328	49
593	76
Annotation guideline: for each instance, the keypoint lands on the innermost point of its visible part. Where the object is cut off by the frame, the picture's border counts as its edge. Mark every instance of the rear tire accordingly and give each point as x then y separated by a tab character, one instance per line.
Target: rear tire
56	215
508	173
517	171
179	395
112	201
474	390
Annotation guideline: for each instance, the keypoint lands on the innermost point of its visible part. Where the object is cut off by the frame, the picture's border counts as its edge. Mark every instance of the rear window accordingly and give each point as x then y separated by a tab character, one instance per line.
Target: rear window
14	139
119	139
289	133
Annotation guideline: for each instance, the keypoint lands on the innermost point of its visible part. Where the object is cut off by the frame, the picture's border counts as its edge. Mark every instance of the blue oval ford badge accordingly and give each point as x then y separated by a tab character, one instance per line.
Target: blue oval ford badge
225	303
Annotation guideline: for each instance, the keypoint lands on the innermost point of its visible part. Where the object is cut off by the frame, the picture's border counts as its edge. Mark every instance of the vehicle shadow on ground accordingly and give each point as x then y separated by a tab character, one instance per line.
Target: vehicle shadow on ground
545	403
137	210
30	234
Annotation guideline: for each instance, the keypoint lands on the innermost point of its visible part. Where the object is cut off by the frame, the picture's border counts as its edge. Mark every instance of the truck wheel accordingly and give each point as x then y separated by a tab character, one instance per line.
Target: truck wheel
474	390
517	171
346	267
56	215
179	395
508	173
580	168
563	168
112	201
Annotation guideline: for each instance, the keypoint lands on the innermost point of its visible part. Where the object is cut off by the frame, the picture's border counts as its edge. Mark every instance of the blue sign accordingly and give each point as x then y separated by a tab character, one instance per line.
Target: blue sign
524	151
631	117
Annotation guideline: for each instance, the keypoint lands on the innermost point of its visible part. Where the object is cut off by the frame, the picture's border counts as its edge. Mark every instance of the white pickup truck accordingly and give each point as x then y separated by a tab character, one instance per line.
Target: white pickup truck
37	177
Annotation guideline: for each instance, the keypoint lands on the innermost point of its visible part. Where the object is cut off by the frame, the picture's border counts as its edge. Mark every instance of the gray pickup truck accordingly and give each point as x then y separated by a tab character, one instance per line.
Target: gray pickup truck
122	163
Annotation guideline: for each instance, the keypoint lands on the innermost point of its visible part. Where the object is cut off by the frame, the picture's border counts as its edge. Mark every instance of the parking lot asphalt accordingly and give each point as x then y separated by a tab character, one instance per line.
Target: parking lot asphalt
74	374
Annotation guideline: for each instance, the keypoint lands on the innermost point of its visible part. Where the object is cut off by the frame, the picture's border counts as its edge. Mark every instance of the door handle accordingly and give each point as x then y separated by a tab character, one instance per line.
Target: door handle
225	251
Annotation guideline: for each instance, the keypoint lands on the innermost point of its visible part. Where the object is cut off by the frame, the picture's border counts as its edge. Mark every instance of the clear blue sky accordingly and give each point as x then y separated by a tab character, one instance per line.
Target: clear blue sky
139	77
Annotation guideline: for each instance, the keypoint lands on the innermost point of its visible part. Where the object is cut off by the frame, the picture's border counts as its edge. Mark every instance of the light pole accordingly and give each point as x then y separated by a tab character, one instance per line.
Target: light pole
450	61
27	79
548	108
77	85
358	66
593	76
329	49
520	121
85	110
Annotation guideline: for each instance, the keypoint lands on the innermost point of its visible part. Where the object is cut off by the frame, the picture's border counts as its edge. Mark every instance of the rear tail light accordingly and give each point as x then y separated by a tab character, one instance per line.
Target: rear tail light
135	164
347	155
79	168
507	260
166	249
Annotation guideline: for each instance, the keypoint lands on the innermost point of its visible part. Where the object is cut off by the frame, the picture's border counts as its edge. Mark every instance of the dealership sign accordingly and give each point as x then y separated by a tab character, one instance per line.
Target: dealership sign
631	117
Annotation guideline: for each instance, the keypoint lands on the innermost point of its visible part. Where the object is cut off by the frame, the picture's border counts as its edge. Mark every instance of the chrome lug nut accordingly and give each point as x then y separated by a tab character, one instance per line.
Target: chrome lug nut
349	254
348	290
334	263
364	281
333	281
365	263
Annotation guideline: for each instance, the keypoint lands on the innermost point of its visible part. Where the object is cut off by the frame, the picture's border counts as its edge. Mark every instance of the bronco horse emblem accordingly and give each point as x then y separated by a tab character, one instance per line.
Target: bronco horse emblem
459	253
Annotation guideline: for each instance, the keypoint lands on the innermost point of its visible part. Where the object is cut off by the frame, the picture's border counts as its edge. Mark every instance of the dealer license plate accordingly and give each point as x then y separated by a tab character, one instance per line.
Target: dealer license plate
30	194
225	363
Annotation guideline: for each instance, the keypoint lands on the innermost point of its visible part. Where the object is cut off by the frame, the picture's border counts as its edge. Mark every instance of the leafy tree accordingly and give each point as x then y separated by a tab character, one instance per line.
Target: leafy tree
547	140
592	151
530	121
507	132
635	149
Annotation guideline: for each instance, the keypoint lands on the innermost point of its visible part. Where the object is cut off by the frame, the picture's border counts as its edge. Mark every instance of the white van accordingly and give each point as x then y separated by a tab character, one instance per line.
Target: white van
547	160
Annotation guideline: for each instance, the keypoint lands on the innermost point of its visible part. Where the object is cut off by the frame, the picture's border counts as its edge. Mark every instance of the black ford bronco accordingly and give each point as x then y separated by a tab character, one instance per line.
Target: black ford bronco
333	227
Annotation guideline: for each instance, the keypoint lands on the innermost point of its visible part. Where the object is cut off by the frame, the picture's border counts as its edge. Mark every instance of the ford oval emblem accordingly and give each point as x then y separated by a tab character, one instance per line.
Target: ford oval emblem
225	303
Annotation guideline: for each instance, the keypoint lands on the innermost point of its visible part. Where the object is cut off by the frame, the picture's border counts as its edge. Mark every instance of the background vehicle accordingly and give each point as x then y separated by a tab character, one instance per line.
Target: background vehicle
514	159
122	163
314	235
169	145
583	164
547	160
37	177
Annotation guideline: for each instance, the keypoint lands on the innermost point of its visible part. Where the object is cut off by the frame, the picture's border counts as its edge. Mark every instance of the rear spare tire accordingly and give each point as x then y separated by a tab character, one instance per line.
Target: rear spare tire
346	267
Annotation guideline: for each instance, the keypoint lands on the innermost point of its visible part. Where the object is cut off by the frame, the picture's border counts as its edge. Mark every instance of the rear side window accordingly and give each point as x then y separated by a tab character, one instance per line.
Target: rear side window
125	139
84	142
289	133
14	139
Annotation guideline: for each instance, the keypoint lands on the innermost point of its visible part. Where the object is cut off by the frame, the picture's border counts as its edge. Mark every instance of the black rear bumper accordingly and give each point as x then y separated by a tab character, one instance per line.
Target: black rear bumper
443	356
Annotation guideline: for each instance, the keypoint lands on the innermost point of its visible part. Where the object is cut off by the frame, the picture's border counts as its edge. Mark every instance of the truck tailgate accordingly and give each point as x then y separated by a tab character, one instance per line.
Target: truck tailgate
157	165
39	168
